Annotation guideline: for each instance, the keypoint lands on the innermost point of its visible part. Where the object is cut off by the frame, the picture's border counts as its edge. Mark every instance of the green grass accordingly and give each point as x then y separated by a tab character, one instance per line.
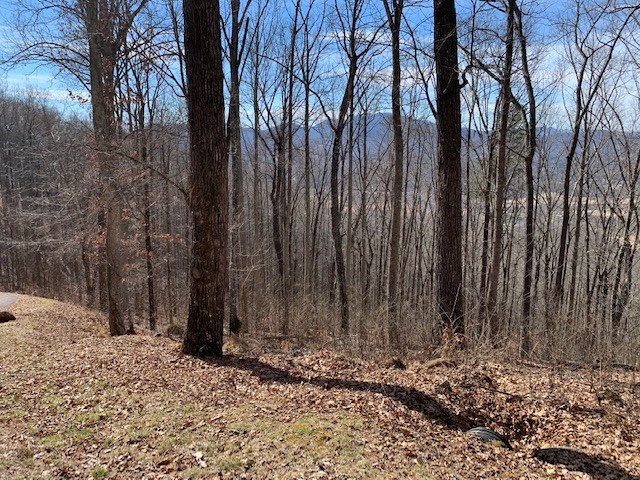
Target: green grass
99	472
241	427
230	463
55	440
321	435
137	434
90	418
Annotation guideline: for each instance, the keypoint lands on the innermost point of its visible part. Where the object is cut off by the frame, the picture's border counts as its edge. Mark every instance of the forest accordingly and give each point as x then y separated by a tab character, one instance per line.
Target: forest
319	239
334	176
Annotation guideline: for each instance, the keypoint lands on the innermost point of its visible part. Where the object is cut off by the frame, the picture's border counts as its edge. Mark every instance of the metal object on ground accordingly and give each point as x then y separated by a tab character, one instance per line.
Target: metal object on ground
487	435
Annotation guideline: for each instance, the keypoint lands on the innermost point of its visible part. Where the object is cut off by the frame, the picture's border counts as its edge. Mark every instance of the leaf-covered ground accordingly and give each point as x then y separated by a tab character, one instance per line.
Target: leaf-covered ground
75	403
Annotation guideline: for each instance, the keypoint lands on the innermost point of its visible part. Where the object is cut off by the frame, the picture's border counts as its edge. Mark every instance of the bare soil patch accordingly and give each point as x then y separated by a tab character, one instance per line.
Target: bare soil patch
75	403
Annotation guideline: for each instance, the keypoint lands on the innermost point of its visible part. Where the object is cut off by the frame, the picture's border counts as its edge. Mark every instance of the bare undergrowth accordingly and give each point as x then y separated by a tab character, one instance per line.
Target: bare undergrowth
75	403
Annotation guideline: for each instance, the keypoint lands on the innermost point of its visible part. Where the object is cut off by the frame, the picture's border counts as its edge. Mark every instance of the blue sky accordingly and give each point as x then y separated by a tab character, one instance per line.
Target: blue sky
62	93
57	89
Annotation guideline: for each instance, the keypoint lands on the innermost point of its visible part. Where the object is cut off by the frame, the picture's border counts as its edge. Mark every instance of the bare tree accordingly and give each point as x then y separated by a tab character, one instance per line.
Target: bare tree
355	49
591	52
394	19
449	295
531	126
505	113
209	178
237	46
107	25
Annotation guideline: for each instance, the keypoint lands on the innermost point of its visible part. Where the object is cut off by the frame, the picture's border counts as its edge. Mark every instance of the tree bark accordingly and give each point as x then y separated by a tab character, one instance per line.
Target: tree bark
394	18
103	48
531	204
238	229
449	293
208	178
501	180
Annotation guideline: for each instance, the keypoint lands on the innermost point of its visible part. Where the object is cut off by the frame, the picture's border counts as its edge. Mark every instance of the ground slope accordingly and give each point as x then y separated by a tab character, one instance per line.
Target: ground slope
75	403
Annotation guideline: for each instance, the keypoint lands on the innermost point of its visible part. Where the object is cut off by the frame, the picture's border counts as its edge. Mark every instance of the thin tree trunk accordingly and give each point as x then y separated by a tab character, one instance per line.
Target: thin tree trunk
237	191
148	244
307	168
531	204
394	18
338	132
501	180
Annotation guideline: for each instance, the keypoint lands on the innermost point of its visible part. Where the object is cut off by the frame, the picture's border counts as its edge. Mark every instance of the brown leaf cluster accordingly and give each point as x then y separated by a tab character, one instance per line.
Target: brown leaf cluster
75	403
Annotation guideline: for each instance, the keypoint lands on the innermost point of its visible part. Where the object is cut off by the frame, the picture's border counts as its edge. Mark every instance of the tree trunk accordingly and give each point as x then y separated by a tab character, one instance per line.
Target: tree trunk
449	170
149	246
237	190
394	18
501	180
531	204
338	130
208	178
102	57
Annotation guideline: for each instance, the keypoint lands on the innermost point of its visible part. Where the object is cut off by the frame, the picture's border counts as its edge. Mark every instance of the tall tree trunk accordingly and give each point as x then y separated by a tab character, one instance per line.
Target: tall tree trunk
307	167
208	200
349	252
237	187
578	221
278	202
258	241
338	131
335	226
486	232
501	180
531	204
394	18
102	58
449	293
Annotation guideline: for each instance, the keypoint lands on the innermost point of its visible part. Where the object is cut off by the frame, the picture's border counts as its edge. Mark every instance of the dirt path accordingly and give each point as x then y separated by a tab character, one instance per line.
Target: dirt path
7	299
77	404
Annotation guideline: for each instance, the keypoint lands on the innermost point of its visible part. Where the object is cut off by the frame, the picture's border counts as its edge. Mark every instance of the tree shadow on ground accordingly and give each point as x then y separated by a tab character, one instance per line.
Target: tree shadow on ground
412	398
578	461
430	408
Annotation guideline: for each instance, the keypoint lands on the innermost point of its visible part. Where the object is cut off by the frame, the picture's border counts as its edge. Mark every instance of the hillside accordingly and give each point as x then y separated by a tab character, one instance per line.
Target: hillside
75	403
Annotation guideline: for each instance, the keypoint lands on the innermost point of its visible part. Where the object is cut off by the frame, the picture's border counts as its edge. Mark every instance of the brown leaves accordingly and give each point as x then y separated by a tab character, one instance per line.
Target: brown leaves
73	401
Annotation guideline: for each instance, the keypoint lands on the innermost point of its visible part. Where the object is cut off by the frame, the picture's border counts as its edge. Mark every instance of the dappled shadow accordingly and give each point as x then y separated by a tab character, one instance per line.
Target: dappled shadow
410	397
418	401
583	462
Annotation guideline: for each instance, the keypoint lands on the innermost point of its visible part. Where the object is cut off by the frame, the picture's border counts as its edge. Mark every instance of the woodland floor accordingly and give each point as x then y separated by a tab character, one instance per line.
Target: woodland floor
75	403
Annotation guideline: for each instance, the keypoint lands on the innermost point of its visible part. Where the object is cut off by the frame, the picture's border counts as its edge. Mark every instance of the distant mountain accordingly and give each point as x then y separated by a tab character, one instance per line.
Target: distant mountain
378	131
553	143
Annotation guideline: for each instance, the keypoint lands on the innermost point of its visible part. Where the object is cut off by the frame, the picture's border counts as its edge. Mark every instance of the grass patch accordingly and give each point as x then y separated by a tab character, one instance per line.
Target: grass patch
99	472
81	434
90	418
241	427
12	414
54	400
321	435
55	440
104	385
229	464
136	434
